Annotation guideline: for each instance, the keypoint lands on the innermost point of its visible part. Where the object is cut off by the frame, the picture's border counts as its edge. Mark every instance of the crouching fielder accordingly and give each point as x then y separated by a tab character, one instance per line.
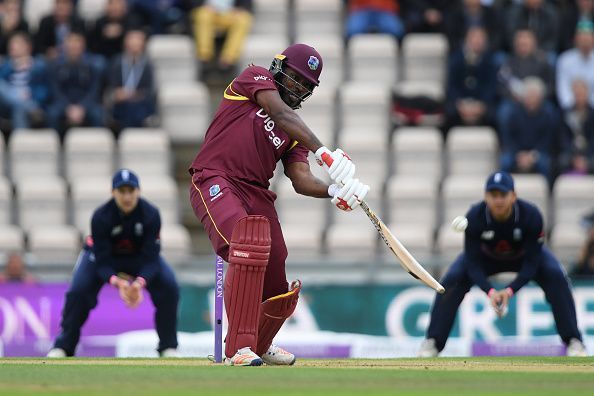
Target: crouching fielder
504	234
254	127
124	240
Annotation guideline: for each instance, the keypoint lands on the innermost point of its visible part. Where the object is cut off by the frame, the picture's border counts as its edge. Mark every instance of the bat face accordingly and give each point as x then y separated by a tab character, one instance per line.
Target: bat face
408	262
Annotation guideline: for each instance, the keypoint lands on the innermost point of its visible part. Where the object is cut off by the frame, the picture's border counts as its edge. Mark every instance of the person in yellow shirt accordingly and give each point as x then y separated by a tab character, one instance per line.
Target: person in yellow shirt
211	18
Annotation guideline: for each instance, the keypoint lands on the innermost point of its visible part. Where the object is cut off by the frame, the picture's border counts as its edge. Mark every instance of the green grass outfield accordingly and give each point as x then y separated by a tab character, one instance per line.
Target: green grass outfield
442	376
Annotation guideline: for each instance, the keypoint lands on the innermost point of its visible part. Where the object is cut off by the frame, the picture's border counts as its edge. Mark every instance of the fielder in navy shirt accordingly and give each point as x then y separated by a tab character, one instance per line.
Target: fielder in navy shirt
504	234
124	251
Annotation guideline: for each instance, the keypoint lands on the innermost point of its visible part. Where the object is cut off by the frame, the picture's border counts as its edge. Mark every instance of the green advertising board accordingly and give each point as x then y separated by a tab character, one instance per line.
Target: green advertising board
403	311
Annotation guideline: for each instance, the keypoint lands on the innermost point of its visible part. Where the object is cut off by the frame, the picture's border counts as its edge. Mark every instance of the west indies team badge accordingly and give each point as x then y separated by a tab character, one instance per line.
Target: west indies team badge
214	190
313	62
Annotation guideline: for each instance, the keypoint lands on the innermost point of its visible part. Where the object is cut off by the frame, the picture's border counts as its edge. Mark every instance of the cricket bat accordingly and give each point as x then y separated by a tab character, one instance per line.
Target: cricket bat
407	260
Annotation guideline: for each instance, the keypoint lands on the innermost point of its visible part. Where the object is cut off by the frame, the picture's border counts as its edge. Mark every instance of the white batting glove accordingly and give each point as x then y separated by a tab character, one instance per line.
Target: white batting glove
337	163
349	196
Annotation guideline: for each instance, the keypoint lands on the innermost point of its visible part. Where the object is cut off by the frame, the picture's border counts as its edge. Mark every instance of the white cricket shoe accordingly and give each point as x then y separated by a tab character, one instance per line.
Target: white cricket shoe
277	356
576	348
428	349
244	357
169	353
56	353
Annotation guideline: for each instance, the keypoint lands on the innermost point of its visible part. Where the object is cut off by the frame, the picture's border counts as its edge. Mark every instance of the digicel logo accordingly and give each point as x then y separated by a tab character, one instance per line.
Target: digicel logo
269	126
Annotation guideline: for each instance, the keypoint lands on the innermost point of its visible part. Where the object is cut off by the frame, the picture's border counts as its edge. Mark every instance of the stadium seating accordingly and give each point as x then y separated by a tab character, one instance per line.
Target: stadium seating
41	201
534	188
91	10
87	194
412	200
319	112
364	105
12	238
413	91
5	201
34	10
185	109
449	243
319	17
162	191
175	244
351	234
260	49
573	198
418	151
567	241
458	194
358	241
54	244
416	237
173	59
89	152
34	152
424	57
369	150
302	218
373	57
412	212
146	151
2	156
471	151
271	17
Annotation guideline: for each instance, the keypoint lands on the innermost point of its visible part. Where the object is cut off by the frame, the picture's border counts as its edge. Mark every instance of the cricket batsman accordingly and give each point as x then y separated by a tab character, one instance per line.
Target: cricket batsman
504	234
254	127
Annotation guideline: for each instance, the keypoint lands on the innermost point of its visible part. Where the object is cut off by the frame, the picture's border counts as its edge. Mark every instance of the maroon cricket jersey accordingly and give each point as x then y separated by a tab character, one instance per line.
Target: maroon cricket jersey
243	141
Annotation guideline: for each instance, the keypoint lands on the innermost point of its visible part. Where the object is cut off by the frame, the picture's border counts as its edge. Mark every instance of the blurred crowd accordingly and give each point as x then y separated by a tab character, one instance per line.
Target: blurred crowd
73	72
524	67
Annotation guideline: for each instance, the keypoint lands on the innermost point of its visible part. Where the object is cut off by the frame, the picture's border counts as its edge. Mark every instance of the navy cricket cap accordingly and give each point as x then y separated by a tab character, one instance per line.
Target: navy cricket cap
501	181
125	177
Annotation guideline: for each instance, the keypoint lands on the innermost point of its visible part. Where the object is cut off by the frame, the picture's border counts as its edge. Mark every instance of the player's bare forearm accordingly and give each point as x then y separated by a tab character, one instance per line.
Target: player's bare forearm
304	182
287	119
293	125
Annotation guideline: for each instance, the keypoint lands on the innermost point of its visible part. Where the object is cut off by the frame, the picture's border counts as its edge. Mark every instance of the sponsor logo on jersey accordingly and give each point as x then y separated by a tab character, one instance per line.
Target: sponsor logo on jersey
268	127
488	235
237	253
260	77
313	62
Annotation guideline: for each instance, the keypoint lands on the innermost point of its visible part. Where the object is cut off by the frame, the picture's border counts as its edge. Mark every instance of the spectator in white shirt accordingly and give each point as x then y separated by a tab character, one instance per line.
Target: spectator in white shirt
577	64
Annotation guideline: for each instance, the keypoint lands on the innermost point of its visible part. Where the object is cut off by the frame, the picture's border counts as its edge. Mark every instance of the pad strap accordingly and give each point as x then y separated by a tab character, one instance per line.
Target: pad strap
249	251
273	314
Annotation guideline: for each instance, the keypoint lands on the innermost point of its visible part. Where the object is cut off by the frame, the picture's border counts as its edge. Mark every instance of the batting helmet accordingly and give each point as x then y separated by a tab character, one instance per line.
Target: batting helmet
305	61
